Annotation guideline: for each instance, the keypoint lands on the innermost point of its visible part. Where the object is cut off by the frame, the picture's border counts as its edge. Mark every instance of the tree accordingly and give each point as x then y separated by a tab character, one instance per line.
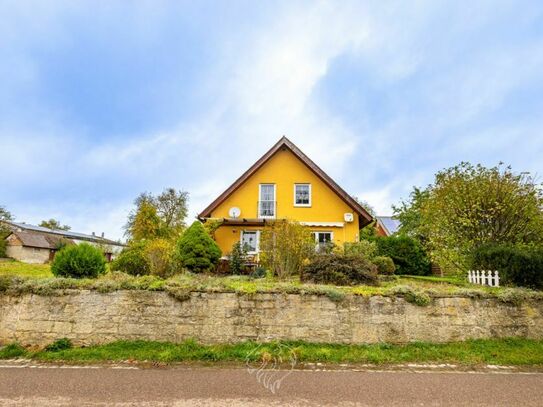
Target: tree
196	250
5	215
285	246
146	223
53	224
468	206
170	209
370	209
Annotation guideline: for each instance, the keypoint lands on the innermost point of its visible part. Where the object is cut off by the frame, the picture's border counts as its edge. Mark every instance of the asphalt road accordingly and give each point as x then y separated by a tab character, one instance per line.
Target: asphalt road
82	386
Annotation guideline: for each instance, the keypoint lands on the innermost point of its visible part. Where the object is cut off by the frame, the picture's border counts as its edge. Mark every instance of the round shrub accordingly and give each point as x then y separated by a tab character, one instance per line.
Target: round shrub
132	260
79	261
407	254
517	265
196	250
340	269
385	265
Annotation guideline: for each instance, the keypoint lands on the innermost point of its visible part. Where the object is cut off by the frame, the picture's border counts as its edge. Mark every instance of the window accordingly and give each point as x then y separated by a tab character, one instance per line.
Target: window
266	203
250	240
302	194
322	239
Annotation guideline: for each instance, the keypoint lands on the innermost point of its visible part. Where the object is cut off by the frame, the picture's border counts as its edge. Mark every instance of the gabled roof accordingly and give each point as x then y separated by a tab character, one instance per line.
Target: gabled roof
285	143
390	224
17	226
40	240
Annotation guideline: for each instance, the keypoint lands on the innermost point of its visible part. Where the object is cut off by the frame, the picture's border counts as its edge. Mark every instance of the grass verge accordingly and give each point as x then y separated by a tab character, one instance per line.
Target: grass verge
511	351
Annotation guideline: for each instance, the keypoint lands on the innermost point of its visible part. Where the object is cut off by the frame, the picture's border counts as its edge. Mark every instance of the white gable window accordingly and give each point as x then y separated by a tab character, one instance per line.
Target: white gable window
266	203
250	240
302	194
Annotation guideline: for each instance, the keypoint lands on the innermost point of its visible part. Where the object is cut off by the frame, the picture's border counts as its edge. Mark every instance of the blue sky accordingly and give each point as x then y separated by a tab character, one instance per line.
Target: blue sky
100	101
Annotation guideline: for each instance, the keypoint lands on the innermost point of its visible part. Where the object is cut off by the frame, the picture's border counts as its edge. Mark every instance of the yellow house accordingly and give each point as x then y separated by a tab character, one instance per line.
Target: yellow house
285	184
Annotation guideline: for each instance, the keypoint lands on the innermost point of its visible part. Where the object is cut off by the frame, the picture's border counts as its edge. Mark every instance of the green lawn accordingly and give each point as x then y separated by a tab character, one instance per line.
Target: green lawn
15	268
513	351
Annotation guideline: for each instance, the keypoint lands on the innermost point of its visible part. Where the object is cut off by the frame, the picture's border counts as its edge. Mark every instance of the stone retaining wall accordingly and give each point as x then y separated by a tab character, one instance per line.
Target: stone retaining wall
88	317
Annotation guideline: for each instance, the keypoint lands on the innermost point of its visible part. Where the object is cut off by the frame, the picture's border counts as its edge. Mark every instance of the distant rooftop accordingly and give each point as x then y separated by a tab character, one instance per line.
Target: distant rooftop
64	233
391	224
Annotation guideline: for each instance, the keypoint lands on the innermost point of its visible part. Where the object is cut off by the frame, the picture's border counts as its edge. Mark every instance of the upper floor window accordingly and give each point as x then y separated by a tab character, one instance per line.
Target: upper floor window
302	194
266	203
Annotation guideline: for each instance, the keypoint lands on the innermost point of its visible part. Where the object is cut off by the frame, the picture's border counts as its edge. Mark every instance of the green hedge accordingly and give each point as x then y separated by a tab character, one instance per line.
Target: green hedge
518	265
407	254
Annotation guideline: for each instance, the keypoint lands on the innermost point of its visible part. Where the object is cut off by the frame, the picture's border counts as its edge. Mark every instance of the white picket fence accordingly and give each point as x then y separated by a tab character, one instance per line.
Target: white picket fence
484	277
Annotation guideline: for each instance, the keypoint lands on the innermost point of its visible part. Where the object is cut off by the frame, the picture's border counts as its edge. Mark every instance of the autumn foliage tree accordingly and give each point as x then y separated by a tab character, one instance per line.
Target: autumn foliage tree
468	206
161	216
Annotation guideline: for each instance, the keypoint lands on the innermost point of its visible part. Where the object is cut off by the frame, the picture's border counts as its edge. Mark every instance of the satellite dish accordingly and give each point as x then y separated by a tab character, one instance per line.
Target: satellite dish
234	212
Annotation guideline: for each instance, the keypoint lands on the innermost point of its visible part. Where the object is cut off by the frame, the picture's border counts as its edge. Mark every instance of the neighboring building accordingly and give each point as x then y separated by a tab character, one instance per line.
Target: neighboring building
36	244
285	184
387	225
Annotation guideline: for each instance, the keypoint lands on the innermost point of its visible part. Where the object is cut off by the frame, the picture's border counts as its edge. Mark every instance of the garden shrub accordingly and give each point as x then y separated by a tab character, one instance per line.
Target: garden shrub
236	258
196	250
79	261
407	254
285	246
132	260
340	269
159	254
517	265
385	265
364	248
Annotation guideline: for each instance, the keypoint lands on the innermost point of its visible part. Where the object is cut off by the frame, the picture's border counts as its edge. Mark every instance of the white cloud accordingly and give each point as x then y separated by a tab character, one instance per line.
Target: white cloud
263	86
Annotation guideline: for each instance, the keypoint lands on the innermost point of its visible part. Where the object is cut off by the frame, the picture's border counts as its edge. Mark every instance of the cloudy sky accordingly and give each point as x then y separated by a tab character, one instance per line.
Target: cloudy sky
100	101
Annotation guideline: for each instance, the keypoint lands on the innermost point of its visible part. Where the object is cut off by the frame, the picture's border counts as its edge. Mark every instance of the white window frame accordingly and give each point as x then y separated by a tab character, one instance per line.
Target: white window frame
257	240
274	201
307	205
316	235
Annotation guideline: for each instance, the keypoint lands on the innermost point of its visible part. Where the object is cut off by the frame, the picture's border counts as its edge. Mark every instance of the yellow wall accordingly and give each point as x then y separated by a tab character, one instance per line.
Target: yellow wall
284	170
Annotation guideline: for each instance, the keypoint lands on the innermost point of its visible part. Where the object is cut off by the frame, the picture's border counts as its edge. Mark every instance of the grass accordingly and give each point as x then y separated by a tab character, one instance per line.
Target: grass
20	278
512	351
15	268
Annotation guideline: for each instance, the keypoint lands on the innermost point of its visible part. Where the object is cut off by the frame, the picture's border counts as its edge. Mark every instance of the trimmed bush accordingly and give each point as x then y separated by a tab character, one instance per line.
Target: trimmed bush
196	250
79	261
340	269
518	265
385	265
132	260
407	254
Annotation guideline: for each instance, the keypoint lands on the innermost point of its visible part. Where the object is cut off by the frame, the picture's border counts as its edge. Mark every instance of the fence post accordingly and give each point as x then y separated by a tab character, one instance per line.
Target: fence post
477	277
496	278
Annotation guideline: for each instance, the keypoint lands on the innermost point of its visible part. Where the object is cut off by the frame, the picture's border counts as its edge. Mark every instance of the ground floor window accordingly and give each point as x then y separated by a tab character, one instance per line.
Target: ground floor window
322	239
250	239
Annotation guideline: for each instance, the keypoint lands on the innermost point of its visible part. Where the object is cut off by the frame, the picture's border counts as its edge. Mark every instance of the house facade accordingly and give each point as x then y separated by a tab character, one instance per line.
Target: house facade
285	184
38	245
